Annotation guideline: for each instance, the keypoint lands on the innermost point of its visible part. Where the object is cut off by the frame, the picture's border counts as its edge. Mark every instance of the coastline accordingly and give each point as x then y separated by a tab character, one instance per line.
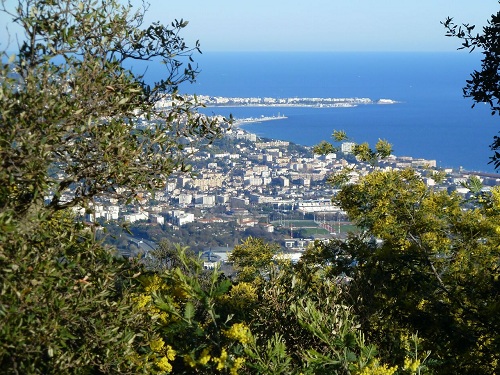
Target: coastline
288	105
251	120
430	162
302	102
433	120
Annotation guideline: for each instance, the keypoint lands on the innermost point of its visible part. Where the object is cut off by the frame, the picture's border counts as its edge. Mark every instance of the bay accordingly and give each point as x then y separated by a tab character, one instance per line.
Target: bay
432	120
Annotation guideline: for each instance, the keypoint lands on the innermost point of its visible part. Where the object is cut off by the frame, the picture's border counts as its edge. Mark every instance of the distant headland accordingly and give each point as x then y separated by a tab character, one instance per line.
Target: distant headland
248	120
218	101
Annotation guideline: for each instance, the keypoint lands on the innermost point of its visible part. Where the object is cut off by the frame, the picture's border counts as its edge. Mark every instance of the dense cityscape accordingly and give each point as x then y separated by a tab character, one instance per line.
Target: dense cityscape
243	185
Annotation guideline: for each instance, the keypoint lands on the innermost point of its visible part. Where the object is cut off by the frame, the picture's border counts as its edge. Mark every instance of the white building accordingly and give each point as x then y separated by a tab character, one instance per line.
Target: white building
170	186
183	219
284	181
239	202
347	147
253	181
138	216
185	199
221	199
157	219
205	200
318	205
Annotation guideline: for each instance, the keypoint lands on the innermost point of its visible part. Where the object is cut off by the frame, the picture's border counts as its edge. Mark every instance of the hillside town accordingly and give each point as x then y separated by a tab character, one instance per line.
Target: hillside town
259	186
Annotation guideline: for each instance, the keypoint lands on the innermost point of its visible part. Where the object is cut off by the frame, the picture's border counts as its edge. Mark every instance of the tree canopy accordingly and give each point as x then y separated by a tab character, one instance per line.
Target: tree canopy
76	124
91	125
483	86
424	261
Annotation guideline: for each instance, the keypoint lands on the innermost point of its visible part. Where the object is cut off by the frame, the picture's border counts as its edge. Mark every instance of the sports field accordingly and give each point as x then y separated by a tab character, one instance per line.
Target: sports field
311	227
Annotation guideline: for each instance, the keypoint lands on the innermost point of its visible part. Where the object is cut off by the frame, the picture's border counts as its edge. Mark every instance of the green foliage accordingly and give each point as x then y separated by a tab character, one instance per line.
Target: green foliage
304	324
339	136
77	124
189	314
362	151
482	86
198	236
324	148
474	185
253	258
383	148
438	176
68	101
427	262
270	358
167	256
339	352
293	320
65	303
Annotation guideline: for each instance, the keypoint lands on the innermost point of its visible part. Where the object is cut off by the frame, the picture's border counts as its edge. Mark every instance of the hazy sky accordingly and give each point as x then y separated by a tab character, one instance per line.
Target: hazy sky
321	25
316	25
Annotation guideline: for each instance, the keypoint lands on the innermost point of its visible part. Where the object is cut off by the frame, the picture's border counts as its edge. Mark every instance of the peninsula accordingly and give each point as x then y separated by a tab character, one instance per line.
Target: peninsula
249	120
218	101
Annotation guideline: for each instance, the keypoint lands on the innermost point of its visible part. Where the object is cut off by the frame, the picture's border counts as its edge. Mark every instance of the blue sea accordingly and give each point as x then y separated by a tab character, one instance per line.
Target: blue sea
432	120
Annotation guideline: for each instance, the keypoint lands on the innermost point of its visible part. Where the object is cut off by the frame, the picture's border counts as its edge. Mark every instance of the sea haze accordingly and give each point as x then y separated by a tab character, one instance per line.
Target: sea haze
432	120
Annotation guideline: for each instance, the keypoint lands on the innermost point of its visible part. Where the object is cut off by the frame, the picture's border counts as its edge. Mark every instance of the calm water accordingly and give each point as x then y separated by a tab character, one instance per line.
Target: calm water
432	121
